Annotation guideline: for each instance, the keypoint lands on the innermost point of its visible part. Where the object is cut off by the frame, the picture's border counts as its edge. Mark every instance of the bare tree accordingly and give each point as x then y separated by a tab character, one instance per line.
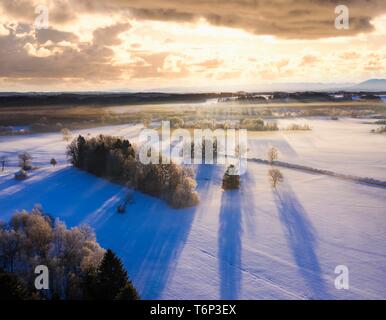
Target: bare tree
67	135
25	160
273	154
275	176
3	160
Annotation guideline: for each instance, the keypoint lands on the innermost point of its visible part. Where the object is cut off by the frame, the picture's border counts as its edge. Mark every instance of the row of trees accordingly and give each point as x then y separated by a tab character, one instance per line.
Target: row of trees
298	127
258	125
116	159
379	130
25	161
78	267
253	124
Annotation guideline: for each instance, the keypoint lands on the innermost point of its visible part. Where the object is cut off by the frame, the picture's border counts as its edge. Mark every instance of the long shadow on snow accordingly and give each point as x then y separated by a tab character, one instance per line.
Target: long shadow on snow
229	238
149	237
67	193
157	235
302	240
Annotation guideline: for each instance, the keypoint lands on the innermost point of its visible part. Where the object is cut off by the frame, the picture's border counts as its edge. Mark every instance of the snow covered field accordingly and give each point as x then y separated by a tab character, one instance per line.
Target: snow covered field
345	146
254	243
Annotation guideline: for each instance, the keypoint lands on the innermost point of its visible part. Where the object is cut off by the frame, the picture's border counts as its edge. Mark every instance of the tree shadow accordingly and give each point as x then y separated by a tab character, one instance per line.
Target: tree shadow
67	192
149	237
229	245
302	240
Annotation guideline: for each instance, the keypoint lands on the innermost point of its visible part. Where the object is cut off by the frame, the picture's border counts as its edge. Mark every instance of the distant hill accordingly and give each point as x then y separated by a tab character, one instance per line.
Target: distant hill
371	85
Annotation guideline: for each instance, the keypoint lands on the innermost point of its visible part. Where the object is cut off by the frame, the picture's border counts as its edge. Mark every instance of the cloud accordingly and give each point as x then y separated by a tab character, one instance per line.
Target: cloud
350	55
308	60
210	64
376	63
277	69
90	41
26	56
305	19
108	36
44	35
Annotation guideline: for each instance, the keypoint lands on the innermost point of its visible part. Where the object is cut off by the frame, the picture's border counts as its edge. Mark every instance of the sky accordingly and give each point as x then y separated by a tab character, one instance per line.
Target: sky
133	45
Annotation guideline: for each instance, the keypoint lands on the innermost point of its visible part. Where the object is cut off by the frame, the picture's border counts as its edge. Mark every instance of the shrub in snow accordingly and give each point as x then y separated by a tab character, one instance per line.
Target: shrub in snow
230	180
53	162
21	175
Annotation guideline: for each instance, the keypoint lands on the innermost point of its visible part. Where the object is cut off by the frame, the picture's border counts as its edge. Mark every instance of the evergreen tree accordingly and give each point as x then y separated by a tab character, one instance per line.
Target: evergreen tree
11	288
128	292
112	281
76	151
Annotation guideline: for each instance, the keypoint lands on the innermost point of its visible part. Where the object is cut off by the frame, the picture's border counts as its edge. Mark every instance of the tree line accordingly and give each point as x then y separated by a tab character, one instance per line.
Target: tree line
116	159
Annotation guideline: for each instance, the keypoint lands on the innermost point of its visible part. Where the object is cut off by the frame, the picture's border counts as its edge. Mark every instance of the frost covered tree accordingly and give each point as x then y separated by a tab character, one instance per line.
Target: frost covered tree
33	238
184	195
